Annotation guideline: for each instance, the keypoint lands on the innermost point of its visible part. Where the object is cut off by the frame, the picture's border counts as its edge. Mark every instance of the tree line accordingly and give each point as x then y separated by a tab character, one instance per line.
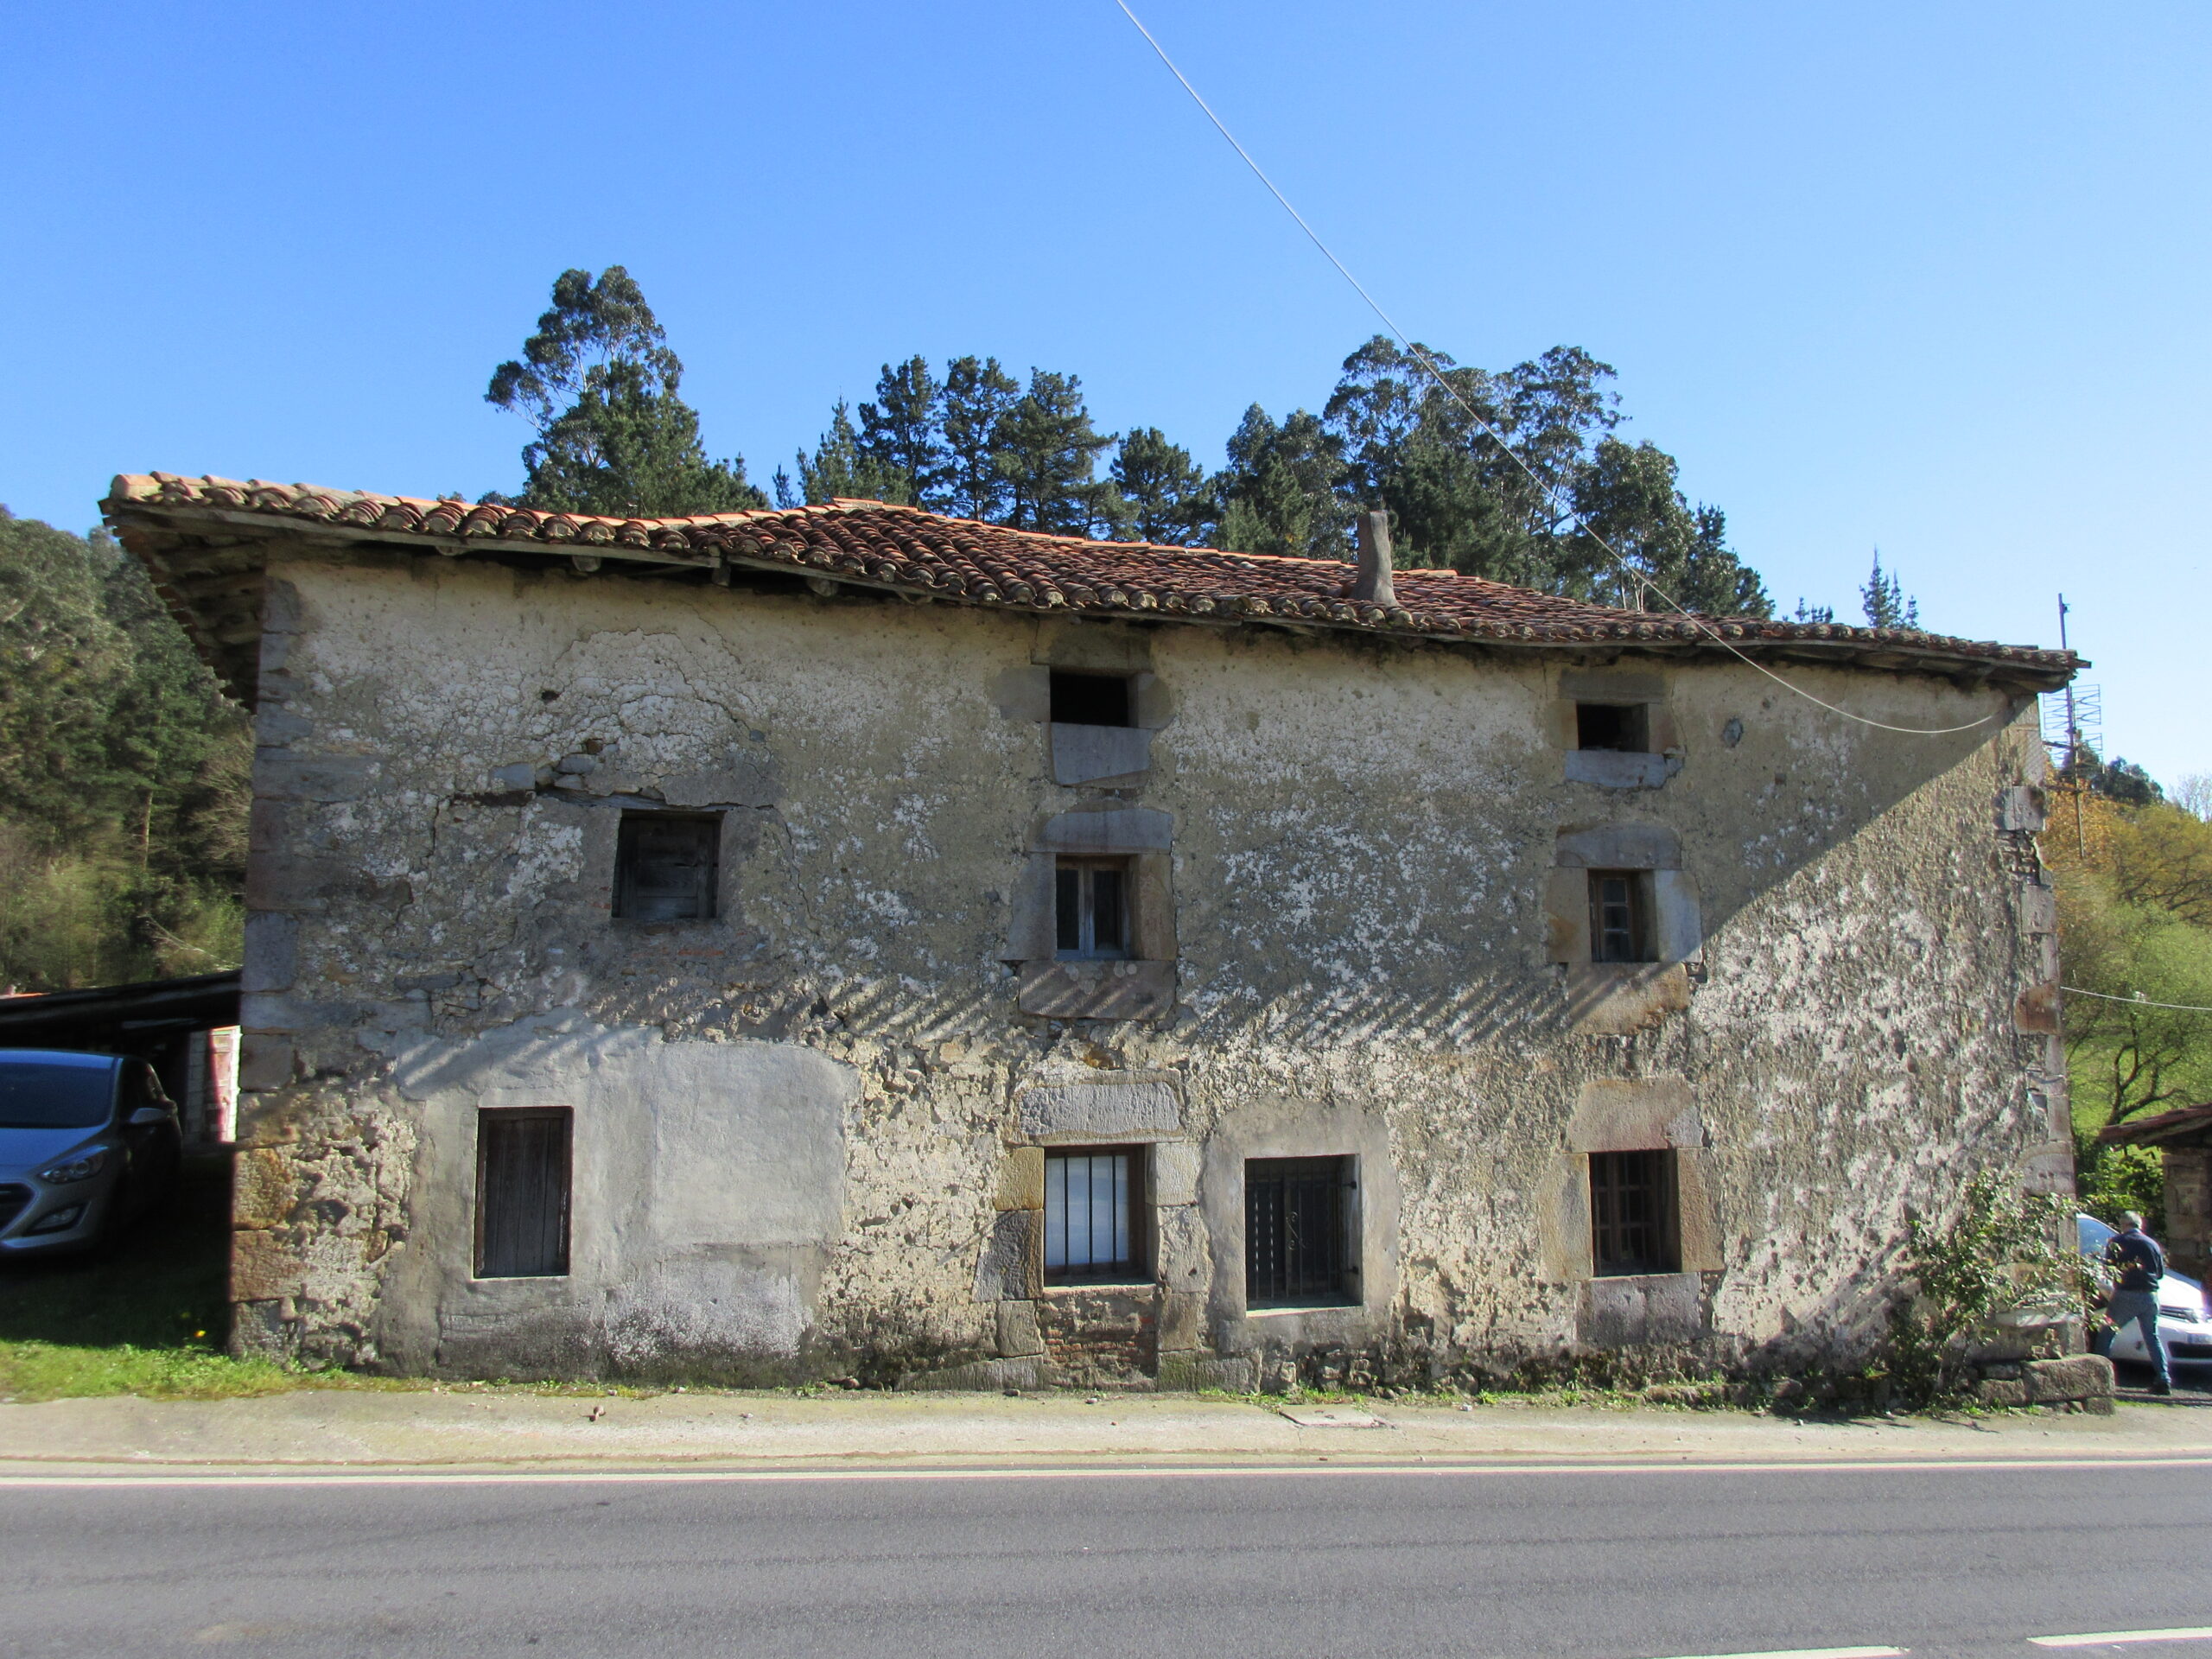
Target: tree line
2133	870
125	771
1519	474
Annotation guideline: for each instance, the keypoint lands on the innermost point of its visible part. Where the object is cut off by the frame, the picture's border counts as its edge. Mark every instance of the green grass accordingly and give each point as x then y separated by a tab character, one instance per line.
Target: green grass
147	1314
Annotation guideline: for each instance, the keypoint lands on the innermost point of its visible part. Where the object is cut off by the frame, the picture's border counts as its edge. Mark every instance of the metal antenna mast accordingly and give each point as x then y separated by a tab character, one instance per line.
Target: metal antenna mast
2073	744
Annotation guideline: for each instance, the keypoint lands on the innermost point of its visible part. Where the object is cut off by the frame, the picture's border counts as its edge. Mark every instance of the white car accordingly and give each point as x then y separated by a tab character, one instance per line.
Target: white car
2182	1326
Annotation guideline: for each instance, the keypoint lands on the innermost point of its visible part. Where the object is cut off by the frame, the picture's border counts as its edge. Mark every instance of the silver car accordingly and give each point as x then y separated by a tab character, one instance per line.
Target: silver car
87	1143
2183	1324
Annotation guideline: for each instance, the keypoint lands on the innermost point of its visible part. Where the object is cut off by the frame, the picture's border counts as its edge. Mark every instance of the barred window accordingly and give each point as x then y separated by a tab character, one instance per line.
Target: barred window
1620	916
1633	1211
1091	1215
1298	1237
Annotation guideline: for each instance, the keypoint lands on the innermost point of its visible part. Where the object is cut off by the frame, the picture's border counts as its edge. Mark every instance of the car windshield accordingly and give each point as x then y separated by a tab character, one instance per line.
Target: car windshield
2093	1233
54	1095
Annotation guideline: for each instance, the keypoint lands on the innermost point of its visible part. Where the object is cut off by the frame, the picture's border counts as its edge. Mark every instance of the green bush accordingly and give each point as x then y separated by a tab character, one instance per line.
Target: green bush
2004	1252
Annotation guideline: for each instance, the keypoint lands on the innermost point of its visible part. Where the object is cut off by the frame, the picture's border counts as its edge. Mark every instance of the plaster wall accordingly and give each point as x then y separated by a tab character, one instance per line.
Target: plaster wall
808	1130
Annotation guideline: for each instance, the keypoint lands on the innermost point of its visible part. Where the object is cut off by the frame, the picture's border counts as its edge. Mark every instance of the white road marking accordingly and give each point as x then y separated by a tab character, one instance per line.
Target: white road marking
419	1477
1810	1653
2118	1638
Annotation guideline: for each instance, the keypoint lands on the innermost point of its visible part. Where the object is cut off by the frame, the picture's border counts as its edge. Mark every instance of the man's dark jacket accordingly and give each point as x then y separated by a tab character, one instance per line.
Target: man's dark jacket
2140	1261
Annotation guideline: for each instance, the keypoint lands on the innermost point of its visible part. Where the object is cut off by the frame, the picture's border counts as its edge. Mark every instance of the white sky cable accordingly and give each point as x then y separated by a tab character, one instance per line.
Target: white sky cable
1563	507
2138	1001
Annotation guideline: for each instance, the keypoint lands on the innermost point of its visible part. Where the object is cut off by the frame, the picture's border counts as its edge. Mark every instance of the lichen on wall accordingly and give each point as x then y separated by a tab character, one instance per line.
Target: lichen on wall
795	1120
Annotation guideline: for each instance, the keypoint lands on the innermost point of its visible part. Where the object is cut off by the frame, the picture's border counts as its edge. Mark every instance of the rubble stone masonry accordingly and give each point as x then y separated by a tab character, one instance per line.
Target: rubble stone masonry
809	1133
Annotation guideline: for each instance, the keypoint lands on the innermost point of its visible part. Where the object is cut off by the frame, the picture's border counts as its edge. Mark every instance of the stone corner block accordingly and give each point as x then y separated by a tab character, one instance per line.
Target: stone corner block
2077	1377
1008	1268
978	1375
1175	1168
1021	1179
261	1269
1019	1336
1190	1372
264	1063
261	1187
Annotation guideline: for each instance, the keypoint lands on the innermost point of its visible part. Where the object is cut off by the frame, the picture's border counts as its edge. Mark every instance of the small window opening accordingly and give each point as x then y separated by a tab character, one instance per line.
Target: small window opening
1611	726
1092	1209
1298	1243
1620	916
1090	699
1092	901
666	866
1633	1211
522	1192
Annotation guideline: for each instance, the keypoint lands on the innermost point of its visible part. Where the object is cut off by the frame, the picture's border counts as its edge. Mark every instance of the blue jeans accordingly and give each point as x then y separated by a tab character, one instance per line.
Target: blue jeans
2141	1308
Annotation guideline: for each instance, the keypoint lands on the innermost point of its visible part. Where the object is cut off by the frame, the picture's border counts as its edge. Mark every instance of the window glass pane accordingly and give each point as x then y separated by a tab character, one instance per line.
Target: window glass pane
1106	911
1087	1219
1104	1225
1121	1252
1615	927
1068	903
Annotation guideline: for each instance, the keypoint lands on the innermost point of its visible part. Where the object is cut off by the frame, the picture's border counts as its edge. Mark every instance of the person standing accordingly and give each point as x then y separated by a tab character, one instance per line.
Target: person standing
2142	1264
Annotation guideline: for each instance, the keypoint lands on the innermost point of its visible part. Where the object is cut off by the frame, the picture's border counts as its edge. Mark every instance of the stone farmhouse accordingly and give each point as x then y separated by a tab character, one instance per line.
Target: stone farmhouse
846	942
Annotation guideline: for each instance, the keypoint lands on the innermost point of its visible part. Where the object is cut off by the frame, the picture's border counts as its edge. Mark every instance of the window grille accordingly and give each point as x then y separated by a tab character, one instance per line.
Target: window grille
1620	916
665	866
522	1192
1632	1213
1297	1235
1089	1219
1091	903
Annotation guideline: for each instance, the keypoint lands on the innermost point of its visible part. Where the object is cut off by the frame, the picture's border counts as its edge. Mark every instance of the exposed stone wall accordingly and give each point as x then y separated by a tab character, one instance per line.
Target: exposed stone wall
807	1133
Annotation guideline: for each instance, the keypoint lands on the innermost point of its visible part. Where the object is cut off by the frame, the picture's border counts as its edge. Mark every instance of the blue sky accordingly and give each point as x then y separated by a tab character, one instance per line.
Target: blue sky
1931	279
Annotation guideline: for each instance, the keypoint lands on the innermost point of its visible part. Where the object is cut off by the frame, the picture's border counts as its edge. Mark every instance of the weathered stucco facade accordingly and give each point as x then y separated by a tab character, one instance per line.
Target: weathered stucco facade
809	1133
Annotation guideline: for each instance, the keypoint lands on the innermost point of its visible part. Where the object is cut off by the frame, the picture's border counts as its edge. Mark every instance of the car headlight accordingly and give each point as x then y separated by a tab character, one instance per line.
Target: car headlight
82	1167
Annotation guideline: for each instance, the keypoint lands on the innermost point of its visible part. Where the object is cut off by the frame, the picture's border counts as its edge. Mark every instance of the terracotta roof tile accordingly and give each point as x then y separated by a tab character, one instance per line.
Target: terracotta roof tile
906	548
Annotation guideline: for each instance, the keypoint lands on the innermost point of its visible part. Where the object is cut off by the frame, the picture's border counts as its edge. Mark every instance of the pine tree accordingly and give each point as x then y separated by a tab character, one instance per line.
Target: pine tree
1047	450
1169	499
1281	491
977	396
841	466
901	433
1883	601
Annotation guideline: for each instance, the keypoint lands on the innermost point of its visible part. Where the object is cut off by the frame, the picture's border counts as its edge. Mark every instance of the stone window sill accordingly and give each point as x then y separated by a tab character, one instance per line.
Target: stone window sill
1121	989
1077	1288
1620	769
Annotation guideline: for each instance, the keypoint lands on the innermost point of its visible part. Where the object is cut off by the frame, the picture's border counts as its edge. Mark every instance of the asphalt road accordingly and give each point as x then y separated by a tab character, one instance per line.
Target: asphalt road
1638	1565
